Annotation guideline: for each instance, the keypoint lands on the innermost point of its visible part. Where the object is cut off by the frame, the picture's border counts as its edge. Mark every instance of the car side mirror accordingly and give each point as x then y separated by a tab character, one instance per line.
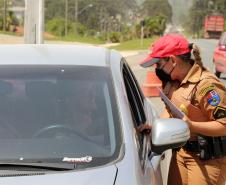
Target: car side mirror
168	134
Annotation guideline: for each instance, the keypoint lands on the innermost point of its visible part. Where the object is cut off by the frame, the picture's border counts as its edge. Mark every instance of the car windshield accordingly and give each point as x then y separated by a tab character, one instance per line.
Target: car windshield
65	114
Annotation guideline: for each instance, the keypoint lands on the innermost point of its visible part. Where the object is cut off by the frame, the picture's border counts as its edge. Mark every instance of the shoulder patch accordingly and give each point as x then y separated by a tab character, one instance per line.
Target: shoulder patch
206	90
213	98
220	112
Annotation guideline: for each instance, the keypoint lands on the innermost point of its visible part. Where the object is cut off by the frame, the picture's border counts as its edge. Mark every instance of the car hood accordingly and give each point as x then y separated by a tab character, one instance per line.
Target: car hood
100	176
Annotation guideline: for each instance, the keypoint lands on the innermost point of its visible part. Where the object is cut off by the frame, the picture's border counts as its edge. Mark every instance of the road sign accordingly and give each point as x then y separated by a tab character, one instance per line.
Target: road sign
142	23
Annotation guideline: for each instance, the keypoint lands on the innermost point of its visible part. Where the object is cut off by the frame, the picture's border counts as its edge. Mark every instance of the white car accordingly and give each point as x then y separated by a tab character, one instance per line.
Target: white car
68	115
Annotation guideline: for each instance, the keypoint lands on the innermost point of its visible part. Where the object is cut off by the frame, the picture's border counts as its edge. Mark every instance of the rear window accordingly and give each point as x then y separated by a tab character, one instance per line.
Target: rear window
57	112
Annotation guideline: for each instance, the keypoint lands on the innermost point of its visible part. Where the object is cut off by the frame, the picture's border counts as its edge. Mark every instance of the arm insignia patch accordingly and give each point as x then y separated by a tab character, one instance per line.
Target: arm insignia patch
220	112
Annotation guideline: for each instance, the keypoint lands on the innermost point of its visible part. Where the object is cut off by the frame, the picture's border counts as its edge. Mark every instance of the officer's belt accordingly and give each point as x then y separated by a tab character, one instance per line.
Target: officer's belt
192	146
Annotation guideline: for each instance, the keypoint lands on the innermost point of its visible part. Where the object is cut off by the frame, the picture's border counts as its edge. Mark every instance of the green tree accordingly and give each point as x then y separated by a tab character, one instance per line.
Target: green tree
92	17
9	17
54	9
102	11
155	25
156	7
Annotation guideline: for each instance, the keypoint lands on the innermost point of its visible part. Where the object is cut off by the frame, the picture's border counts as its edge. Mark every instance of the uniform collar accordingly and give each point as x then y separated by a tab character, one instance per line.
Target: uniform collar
193	75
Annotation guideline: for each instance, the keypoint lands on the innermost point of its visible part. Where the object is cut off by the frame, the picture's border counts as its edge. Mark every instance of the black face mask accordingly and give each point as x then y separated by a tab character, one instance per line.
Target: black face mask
162	75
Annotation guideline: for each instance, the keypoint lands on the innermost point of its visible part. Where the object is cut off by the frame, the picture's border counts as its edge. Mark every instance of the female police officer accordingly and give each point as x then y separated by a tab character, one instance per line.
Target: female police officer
202	97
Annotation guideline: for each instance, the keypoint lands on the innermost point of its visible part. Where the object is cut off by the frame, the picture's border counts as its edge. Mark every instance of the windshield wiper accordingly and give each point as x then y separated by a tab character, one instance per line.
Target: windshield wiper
55	164
38	165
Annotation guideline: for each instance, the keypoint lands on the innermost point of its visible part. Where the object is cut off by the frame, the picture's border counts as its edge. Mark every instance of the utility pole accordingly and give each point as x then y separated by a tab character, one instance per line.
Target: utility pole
66	18
142	24
34	22
40	25
76	11
101	19
4	15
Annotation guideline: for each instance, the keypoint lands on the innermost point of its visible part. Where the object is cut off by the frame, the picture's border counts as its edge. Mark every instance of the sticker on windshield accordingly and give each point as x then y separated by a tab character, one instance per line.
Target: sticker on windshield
85	159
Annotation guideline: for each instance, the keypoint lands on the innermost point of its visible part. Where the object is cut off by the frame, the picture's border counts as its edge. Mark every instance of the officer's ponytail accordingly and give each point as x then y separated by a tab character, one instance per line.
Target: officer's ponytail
193	55
196	54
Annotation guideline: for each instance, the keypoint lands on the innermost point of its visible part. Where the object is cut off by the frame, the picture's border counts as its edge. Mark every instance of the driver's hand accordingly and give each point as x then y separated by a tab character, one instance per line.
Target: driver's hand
144	128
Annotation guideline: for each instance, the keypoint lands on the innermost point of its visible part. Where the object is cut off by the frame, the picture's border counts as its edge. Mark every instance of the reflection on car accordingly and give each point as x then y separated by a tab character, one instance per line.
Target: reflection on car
219	58
69	115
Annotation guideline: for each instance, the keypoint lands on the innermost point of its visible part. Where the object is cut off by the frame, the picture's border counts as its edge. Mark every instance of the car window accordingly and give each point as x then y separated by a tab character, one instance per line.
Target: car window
222	40
136	84
53	112
136	101
136	106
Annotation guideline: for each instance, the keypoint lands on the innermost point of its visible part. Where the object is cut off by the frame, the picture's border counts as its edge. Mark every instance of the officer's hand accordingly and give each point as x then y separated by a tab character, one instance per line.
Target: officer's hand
144	128
188	121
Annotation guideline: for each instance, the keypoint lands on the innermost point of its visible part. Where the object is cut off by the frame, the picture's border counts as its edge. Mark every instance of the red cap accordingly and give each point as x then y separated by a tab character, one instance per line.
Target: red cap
170	44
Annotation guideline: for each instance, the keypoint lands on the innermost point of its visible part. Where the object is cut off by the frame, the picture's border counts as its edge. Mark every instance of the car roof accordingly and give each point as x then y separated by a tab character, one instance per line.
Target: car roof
44	54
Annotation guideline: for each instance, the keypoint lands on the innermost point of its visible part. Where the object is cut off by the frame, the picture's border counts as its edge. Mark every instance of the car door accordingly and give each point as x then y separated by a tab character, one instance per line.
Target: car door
139	114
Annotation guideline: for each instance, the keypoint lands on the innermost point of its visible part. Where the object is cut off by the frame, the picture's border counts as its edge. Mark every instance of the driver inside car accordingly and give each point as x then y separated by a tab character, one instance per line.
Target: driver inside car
82	111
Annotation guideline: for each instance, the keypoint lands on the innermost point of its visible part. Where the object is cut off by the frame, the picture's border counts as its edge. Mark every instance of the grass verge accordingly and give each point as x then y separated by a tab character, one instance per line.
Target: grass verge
77	38
135	44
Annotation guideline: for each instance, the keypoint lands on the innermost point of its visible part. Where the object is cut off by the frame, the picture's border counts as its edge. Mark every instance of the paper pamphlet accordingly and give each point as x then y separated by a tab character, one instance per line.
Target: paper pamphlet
174	110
